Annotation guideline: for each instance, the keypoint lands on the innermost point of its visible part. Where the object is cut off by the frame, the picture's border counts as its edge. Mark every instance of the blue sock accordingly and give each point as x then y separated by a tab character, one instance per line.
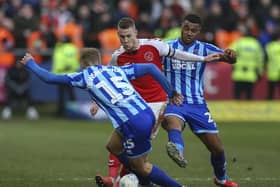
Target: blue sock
159	177
219	164
123	158
175	136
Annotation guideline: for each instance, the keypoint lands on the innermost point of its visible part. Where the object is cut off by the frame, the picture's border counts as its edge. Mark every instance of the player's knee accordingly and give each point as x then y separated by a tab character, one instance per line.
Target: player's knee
142	169
217	151
108	147
171	125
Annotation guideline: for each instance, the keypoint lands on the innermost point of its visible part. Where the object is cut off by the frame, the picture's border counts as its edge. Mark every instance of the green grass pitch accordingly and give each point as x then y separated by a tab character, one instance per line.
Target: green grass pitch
68	153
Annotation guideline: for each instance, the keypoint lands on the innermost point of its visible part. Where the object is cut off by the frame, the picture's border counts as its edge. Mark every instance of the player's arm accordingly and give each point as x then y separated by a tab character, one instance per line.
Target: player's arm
144	69
186	56
43	74
168	51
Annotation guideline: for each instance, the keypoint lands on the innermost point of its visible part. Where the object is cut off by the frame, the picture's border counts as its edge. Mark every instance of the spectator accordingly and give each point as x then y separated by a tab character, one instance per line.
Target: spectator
72	30
273	65
17	85
65	60
25	22
84	19
109	43
7	42
37	44
249	66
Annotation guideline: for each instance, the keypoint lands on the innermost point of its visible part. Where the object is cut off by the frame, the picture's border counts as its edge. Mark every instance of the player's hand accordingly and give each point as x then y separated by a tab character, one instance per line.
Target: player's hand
177	99
213	57
26	58
229	56
93	109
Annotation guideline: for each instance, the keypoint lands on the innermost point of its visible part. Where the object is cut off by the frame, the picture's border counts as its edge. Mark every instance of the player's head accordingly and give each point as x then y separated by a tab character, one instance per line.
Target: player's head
128	34
89	57
191	28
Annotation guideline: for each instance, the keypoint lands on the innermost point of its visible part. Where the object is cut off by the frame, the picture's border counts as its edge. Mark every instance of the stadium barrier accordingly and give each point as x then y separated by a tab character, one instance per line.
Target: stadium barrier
229	111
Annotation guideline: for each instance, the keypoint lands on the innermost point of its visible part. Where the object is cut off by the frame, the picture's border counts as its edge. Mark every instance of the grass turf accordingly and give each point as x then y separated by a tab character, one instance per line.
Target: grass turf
68	153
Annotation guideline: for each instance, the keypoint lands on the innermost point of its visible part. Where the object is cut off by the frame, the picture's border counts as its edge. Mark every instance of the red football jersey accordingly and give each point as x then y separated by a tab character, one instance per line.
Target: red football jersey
149	51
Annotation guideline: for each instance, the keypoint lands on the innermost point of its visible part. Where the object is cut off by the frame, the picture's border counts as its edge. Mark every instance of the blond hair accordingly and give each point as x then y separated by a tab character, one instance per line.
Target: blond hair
90	56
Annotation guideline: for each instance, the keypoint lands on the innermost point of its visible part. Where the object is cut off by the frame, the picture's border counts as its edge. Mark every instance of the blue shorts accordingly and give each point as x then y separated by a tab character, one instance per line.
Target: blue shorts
136	133
197	116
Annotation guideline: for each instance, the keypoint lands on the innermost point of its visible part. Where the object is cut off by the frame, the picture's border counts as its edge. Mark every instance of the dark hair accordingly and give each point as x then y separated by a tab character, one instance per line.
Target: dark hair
90	56
126	23
193	18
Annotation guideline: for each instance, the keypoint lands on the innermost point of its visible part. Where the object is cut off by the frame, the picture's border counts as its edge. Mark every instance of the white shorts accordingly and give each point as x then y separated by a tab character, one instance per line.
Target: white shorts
158	109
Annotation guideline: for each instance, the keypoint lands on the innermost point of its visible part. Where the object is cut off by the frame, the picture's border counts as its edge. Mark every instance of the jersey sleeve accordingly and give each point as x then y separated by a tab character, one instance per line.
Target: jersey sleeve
77	80
113	61
210	49
163	48
74	79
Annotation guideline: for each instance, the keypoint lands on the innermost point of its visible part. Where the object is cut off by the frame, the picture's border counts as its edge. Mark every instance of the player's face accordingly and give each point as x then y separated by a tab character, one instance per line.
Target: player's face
190	32
128	38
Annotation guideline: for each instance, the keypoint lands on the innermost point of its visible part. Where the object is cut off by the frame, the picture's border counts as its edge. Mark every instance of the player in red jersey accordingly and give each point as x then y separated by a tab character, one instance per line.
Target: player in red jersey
134	50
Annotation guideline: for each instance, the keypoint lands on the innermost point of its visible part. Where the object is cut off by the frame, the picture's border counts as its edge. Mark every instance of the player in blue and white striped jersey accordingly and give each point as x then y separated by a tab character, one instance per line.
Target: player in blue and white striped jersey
109	86
188	79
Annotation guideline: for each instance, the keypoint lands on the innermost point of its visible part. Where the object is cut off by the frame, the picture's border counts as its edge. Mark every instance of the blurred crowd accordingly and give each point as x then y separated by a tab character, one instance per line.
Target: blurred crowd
54	31
39	24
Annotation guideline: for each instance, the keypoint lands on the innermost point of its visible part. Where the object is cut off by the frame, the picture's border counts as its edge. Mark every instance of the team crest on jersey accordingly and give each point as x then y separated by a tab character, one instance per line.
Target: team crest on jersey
149	56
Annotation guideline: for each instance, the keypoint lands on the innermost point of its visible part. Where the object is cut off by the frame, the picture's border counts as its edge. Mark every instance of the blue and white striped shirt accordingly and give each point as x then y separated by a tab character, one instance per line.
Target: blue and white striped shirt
109	86
188	77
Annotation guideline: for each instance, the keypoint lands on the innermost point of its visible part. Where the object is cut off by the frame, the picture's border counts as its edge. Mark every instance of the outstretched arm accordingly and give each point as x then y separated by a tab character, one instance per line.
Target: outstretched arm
43	74
186	56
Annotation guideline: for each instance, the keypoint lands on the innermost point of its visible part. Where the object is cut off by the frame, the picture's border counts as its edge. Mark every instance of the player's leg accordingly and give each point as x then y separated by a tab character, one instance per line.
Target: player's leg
203	125
158	109
218	160
114	166
145	169
214	145
114	145
174	124
137	144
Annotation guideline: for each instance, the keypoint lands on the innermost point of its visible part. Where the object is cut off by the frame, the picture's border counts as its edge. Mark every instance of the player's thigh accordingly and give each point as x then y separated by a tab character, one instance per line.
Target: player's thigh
158	109
173	122
174	118
114	144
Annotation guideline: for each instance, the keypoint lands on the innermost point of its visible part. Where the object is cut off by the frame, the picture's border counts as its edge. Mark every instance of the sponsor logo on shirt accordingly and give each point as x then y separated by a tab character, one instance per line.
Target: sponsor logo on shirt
149	56
178	65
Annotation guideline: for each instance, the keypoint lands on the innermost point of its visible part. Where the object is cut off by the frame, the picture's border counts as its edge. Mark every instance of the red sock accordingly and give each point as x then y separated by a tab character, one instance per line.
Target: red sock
114	166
